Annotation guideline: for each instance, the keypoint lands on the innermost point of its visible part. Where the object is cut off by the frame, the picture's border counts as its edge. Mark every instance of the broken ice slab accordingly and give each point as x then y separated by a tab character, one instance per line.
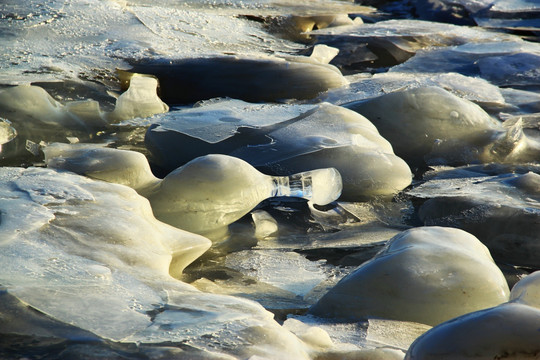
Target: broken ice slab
216	120
185	81
498	204
391	42
504	63
520	15
389	339
322	134
7	132
363	87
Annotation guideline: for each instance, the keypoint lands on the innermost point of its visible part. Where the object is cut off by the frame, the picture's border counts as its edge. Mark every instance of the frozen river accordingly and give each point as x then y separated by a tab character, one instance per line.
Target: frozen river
269	179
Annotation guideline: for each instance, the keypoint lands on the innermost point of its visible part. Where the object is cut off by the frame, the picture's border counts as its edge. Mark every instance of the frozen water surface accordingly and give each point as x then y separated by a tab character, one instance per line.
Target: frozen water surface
86	269
214	121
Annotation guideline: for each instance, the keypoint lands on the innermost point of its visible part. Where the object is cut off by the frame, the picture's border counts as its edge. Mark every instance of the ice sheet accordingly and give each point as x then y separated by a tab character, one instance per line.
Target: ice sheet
433	33
216	120
515	58
363	87
285	270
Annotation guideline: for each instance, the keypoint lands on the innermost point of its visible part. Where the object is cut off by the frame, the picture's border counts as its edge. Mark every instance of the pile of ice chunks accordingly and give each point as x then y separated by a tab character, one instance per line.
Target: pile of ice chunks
239	200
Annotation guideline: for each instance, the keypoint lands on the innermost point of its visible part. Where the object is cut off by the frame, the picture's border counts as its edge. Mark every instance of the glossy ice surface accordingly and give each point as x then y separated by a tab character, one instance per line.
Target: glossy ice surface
367	172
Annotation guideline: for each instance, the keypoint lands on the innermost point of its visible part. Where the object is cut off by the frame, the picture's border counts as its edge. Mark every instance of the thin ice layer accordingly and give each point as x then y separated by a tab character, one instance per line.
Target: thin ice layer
363	87
217	120
285	270
508	63
438	33
391	42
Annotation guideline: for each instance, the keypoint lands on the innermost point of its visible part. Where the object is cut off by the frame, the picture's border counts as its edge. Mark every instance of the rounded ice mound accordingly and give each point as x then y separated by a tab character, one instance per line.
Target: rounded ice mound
527	290
529	182
427	120
366	173
508	331
124	167
212	191
426	275
282	140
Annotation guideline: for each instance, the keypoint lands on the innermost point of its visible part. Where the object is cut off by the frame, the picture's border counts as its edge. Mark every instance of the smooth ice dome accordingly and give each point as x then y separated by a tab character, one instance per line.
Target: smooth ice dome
212	191
527	290
426	120
508	331
255	79
124	167
426	274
